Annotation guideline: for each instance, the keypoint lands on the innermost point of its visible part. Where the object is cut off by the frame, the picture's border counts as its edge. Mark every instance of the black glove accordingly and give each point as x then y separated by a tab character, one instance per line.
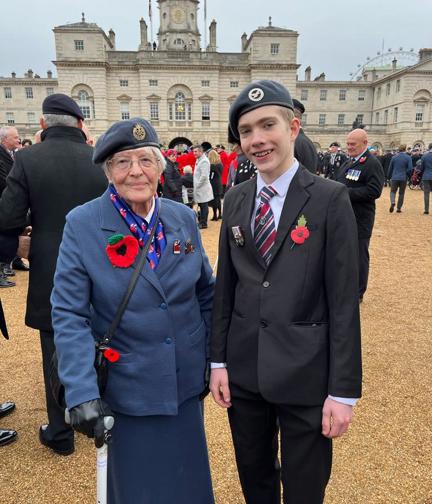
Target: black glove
88	418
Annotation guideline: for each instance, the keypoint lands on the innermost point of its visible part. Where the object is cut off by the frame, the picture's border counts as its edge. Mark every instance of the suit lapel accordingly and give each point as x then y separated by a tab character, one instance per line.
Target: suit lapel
111	221
295	200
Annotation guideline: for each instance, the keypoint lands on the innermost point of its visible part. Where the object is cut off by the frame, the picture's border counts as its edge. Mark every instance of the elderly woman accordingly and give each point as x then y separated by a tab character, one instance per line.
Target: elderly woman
158	450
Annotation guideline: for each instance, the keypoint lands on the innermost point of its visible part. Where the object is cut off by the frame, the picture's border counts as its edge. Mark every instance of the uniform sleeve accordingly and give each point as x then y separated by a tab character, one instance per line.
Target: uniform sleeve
73	338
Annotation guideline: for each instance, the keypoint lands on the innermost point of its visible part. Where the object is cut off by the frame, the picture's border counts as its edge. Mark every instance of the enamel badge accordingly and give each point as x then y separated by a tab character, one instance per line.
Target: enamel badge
176	247
238	236
189	247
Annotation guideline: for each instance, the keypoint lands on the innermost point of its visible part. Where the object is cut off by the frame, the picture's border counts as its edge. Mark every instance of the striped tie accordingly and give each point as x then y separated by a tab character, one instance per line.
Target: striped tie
265	230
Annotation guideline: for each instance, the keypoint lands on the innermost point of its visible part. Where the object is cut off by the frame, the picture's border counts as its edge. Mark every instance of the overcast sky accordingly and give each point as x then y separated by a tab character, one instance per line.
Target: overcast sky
334	36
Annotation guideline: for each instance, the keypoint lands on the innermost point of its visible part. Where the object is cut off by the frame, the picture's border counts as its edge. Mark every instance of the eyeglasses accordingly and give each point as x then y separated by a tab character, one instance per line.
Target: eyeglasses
124	164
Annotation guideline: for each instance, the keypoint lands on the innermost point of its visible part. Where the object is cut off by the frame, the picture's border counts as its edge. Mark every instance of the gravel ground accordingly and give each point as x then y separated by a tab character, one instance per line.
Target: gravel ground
385	459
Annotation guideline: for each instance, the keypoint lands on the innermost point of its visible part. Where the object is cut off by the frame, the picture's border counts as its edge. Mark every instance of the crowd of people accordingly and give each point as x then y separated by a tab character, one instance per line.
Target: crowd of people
118	269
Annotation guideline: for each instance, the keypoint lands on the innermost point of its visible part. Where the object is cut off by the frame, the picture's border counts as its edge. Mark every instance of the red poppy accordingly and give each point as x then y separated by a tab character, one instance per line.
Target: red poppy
300	234
122	250
111	355
362	159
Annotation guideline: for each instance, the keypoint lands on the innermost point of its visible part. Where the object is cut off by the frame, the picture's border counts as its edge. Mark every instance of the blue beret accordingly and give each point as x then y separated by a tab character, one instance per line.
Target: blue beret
61	104
125	135
258	94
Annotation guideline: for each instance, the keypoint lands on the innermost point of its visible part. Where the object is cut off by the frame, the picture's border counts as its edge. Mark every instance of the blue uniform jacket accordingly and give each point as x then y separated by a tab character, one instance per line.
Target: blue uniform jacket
426	166
162	337
400	167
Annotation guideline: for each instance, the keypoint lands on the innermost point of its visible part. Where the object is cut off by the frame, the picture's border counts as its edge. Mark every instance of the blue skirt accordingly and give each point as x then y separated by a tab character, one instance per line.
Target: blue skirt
160	459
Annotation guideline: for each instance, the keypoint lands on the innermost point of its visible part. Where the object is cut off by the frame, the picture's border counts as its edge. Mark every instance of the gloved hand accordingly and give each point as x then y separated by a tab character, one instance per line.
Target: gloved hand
88	418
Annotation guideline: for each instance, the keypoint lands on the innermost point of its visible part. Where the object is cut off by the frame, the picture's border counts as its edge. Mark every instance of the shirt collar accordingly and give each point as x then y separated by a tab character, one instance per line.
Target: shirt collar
148	217
282	183
360	155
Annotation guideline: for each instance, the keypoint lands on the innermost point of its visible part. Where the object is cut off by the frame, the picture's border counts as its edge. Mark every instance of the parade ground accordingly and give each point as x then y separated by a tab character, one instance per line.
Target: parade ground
386	458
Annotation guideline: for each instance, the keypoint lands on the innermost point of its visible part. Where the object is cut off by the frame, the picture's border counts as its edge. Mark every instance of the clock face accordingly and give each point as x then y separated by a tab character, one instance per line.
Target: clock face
178	15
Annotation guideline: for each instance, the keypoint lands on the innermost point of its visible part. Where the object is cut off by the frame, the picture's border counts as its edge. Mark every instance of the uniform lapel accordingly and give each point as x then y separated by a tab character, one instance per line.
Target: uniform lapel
112	223
295	200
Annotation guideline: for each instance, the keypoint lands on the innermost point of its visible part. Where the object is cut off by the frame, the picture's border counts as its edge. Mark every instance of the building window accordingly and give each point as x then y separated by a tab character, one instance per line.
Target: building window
322	119
29	92
79	45
180	107
179	42
398	86
234	83
31	117
385	116
376	117
153	82
124	111
341	119
10	119
7	92
124	83
274	48
361	95
388	89
342	94
154	111
84	104
304	119
205	113
395	114
304	94
205	83
378	93
323	94
170	111
49	91
419	112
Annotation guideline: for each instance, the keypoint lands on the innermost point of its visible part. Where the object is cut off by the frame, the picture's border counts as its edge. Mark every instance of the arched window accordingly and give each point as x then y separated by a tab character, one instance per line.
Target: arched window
180	107
85	103
180	103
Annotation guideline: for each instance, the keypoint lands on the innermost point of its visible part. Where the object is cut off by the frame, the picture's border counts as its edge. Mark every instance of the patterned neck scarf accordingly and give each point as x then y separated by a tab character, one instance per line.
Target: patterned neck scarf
140	228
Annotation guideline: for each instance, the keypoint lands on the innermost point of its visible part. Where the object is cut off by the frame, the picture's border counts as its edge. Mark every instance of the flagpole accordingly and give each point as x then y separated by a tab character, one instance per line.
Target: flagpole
205	25
151	21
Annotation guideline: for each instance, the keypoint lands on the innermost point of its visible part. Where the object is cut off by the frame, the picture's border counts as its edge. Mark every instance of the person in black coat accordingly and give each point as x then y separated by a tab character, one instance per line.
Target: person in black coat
216	168
333	160
9	142
172	188
50	179
304	149
362	173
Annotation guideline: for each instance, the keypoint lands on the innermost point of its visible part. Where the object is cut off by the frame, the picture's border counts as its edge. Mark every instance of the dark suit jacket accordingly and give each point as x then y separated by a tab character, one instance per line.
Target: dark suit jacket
364	191
305	152
6	163
291	331
50	179
172	188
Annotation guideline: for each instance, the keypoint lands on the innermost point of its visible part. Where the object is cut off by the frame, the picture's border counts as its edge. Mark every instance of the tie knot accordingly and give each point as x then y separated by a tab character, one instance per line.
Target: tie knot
267	193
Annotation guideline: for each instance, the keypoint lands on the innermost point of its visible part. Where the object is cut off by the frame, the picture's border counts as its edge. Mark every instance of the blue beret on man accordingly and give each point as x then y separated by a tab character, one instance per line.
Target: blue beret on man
61	104
258	94
125	135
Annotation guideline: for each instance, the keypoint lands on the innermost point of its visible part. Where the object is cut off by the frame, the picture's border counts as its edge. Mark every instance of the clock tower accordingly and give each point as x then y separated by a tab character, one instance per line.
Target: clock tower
178	30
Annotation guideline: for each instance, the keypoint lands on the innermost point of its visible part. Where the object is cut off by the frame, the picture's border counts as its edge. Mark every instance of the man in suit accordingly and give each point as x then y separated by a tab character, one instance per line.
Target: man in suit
426	177
203	192
286	333
333	160
50	179
304	149
363	174
399	172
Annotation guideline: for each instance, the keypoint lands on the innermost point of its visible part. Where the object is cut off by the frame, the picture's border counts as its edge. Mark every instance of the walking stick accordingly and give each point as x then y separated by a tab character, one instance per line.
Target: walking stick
101	459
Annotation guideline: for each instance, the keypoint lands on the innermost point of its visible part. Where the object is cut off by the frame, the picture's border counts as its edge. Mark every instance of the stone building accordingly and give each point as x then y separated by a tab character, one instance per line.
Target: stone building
186	90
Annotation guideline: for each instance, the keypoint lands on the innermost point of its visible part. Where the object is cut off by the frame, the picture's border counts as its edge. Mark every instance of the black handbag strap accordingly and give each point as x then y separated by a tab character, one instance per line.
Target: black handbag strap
132	283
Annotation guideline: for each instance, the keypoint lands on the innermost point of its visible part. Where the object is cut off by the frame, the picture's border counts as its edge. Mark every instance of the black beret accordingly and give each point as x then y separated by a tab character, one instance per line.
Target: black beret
61	104
125	135
299	105
258	94
206	146
334	144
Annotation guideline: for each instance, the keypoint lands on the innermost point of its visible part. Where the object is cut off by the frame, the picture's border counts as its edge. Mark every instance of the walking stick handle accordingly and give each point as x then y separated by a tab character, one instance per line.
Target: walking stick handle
108	420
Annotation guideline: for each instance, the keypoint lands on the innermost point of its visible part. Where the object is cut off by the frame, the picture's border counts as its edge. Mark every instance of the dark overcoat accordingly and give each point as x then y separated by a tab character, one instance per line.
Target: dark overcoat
290	331
6	163
49	179
305	152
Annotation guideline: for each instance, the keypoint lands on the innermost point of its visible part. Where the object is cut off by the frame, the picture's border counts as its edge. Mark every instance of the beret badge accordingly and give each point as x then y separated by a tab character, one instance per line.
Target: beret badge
138	132
256	94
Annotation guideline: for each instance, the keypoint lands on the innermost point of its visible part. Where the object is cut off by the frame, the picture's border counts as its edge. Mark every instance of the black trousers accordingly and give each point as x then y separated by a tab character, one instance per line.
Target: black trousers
394	186
363	244
306	455
58	430
203	213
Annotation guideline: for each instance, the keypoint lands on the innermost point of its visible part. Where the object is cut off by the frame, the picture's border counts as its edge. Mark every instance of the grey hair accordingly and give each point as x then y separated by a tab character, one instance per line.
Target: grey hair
60	120
161	161
4	131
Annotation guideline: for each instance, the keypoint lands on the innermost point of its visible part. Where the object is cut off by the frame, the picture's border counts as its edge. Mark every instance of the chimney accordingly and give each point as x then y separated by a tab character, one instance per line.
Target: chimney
143	31
111	35
29	73
308	73
49	74
394	65
13	75
425	54
243	42
212	31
